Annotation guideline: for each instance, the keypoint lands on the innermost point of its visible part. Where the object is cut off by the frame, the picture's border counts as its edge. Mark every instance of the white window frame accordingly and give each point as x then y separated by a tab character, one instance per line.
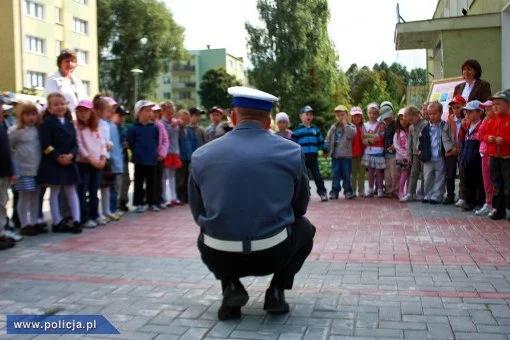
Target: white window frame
82	2
59	13
81	55
86	85
59	46
36	7
80	26
39	77
35	45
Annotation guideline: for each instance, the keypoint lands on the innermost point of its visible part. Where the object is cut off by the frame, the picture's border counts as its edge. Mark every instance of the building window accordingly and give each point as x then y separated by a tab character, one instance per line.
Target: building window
166	80
83	2
58	15
82	56
59	46
166	95
86	84
80	26
35	45
34	9
185	95
35	79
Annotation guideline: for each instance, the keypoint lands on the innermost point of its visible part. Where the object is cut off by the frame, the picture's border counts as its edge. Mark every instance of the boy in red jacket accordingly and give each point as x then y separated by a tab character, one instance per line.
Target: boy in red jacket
497	137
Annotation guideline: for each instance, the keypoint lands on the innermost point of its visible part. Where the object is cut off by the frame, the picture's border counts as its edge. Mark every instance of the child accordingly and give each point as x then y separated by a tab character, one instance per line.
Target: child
195	115
358	148
373	158
104	111
282	122
311	140
26	155
390	170
487	184
339	142
91	159
452	136
6	178
58	167
417	123
217	127
143	139
172	158
470	159
116	157
124	181
431	153
401	143
163	145
187	144
497	137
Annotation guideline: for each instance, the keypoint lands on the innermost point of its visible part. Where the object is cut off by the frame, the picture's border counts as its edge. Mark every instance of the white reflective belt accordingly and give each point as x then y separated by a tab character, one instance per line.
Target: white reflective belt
237	246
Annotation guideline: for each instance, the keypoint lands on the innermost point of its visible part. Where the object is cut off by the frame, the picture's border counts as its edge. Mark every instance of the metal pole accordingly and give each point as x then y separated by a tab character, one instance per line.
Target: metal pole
136	88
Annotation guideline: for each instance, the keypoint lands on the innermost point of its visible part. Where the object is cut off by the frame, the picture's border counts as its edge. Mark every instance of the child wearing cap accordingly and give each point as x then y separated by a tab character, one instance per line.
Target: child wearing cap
217	127
497	137
143	140
452	136
58	168
339	142
358	148
417	123
282	123
470	159
91	159
373	158
188	144
401	143
26	155
194	120
390	171
311	140
487	184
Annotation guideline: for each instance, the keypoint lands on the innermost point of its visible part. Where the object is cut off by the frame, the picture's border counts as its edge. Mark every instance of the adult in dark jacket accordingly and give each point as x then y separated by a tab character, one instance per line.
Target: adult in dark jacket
473	88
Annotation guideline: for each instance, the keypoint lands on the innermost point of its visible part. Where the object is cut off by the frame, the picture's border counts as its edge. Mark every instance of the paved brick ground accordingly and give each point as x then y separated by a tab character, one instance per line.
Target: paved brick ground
379	269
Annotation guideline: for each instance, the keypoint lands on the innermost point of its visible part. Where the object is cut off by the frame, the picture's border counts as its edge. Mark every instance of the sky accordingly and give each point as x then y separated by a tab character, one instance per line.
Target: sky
361	30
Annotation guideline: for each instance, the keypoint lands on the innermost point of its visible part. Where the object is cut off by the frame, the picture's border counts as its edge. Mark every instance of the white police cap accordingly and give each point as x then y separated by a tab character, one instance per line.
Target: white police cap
251	98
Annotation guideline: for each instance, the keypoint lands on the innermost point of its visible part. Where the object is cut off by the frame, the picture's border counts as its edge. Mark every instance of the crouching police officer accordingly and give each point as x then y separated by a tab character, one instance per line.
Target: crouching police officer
248	193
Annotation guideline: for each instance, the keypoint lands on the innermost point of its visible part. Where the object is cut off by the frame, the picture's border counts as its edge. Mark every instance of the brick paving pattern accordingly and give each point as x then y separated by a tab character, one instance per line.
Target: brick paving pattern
379	269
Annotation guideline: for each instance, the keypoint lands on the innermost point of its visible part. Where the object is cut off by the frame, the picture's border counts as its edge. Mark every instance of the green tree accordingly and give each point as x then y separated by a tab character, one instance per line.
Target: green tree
418	76
293	57
135	34
213	88
366	86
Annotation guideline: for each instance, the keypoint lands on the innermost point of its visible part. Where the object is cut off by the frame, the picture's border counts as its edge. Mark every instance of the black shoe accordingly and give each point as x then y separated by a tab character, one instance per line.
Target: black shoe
274	302
6	242
333	196
42	228
448	201
63	227
497	215
76	228
467	207
425	201
234	297
434	202
124	207
229	313
29	230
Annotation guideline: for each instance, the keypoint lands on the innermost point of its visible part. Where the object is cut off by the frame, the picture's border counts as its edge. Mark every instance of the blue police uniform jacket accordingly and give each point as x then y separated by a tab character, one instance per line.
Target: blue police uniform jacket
247	185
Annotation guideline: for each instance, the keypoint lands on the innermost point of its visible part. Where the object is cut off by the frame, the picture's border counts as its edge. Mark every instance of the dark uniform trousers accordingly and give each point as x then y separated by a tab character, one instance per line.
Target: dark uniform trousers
500	177
312	163
283	260
451	172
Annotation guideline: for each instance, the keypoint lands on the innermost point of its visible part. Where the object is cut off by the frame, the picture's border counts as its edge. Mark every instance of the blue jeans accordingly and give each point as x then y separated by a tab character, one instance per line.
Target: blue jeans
90	178
341	169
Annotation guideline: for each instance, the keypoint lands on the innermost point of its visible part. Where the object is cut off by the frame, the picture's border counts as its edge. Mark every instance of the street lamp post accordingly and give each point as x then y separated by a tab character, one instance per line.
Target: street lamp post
136	72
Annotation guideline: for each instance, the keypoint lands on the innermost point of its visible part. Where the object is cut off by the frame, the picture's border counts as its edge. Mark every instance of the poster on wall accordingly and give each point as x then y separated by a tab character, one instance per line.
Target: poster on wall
442	91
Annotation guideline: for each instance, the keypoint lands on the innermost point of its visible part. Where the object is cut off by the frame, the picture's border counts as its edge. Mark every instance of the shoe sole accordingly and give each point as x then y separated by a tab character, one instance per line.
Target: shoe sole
276	309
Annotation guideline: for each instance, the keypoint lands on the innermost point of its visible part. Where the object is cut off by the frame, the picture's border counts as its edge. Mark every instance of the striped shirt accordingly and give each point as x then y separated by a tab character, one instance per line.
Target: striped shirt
310	138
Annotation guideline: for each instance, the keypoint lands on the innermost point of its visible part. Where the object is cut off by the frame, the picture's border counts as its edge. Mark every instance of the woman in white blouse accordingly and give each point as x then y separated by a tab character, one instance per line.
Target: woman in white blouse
64	82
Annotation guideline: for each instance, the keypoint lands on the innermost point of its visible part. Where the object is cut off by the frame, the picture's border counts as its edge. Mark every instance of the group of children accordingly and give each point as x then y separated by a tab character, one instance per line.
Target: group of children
77	155
416	146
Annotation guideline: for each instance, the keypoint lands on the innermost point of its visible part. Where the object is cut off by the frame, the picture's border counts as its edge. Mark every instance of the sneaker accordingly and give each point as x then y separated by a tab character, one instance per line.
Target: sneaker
324	198
140	209
154	208
119	213
162	206
112	217
370	193
29	230
90	224
124	208
407	198
101	220
350	196
484	211
448	201
333	196
14	235
467	207
460	203
176	202
380	193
